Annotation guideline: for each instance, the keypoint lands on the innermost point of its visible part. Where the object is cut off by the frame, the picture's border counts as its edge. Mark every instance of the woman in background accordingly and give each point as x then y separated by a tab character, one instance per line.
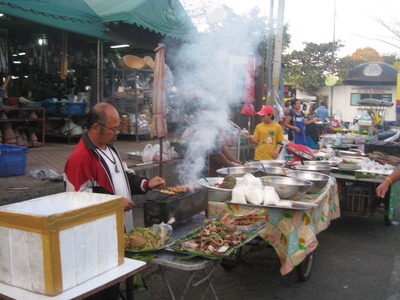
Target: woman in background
296	120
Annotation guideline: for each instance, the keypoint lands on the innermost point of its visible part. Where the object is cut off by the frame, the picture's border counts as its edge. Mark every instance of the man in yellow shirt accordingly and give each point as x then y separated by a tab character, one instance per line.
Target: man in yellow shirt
267	135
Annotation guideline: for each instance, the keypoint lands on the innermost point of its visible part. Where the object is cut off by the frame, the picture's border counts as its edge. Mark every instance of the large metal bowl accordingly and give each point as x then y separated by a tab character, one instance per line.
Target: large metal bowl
319	180
288	187
315	168
313	163
214	193
237	171
273	171
266	163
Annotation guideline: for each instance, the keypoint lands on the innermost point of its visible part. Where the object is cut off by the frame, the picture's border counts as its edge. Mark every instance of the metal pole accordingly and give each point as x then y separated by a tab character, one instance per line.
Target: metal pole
333	50
270	52
276	72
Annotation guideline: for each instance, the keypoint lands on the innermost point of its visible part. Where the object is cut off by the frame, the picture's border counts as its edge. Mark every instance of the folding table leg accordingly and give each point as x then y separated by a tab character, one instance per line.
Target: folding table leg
188	284
129	288
208	278
171	293
211	288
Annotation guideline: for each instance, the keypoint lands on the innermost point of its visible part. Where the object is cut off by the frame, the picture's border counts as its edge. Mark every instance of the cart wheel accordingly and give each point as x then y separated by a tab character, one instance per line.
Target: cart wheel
304	269
229	262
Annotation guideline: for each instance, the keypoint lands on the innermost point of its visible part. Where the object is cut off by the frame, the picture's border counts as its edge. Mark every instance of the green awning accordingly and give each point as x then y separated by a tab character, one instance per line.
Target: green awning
71	15
165	17
92	17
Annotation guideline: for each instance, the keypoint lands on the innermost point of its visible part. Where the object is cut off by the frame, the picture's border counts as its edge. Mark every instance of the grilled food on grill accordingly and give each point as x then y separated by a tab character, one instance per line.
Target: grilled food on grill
229	182
174	190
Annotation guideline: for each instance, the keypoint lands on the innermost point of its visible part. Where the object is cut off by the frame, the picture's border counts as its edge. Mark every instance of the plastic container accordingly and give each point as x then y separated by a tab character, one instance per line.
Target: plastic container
52	107
12	160
72	108
29	104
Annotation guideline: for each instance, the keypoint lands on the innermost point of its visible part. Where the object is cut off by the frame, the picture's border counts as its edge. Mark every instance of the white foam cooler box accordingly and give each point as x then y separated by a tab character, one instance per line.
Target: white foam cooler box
54	243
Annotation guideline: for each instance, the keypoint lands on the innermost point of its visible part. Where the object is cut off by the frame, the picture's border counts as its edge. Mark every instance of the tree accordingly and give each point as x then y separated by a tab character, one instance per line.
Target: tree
367	54
393	29
309	68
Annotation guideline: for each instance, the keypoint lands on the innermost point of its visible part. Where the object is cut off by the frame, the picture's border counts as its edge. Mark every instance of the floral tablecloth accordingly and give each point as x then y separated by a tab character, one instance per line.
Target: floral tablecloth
292	233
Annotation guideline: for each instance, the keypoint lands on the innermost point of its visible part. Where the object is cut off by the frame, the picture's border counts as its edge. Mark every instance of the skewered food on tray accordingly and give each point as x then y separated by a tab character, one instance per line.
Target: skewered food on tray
247	219
174	190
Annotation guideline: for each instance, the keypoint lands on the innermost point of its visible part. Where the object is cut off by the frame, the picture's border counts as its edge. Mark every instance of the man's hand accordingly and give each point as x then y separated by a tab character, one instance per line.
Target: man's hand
128	204
156	183
382	189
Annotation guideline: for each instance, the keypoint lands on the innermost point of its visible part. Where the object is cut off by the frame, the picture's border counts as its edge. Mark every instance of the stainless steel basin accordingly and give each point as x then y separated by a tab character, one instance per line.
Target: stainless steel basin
319	180
237	171
261	164
273	171
325	169
288	187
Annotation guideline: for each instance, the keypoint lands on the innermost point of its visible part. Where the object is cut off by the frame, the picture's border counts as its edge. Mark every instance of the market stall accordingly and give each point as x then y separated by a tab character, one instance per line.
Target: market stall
357	194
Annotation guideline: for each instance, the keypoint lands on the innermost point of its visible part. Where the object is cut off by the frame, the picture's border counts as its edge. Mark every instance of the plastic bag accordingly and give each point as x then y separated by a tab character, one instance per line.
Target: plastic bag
252	196
46	173
270	196
157	157
173	154
165	231
148	153
238	195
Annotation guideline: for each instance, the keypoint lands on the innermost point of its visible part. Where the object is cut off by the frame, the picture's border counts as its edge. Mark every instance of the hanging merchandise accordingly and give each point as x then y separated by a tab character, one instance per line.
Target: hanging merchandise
376	117
248	108
64	57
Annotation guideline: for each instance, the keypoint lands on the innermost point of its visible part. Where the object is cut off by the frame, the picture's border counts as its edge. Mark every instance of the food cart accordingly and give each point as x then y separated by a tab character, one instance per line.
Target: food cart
292	232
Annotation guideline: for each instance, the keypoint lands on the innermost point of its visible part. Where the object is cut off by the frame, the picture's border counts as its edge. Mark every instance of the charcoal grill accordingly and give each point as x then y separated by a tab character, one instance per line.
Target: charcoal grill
159	207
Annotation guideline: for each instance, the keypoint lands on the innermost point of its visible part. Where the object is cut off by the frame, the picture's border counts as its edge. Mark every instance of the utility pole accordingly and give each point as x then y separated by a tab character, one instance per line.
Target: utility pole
333	50
270	52
277	61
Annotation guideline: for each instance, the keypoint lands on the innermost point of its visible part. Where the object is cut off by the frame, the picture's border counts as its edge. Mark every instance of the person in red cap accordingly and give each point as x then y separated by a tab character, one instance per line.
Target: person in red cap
267	135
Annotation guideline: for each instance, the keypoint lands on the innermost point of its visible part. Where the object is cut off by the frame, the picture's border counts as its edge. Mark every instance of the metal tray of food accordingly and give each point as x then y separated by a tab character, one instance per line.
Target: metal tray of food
348	167
136	155
296	205
252	227
210	182
176	248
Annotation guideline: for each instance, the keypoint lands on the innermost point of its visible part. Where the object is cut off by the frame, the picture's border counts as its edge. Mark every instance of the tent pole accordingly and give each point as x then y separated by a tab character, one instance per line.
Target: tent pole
161	154
99	72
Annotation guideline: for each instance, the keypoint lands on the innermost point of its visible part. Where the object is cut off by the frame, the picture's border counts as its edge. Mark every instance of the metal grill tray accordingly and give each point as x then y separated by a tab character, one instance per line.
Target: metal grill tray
296	205
175	248
252	227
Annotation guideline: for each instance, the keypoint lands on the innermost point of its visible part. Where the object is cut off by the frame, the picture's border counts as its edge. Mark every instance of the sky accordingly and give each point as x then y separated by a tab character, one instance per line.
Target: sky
313	21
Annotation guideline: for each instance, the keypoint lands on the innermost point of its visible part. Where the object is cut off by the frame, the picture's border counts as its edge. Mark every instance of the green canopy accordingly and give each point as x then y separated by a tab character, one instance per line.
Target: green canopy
103	18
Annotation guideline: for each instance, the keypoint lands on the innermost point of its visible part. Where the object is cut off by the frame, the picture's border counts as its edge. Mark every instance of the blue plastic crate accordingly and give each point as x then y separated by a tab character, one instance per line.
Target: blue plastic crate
52	107
73	108
12	160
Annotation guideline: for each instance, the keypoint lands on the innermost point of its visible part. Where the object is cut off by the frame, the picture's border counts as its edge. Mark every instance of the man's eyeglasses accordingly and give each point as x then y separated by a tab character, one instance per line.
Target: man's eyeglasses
115	130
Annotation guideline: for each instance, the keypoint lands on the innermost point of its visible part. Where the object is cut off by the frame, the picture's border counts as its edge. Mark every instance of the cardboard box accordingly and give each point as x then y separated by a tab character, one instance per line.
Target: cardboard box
54	243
